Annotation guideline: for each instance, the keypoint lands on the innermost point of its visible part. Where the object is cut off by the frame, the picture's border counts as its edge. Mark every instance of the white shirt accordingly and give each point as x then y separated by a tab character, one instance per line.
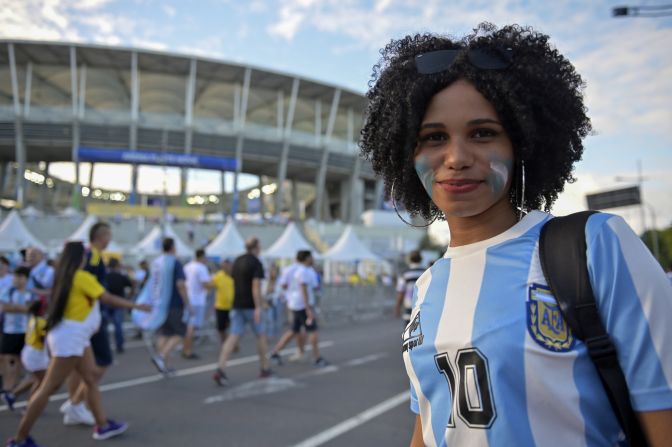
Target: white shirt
302	275
196	274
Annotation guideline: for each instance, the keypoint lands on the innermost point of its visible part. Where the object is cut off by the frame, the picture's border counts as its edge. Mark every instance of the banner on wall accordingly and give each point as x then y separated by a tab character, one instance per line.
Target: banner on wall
97	155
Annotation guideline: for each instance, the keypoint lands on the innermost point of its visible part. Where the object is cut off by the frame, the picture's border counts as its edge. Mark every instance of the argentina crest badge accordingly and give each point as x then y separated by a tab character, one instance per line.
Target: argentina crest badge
545	322
413	336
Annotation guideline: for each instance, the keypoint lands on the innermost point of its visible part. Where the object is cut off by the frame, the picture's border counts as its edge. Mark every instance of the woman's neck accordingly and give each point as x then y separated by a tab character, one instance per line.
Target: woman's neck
488	224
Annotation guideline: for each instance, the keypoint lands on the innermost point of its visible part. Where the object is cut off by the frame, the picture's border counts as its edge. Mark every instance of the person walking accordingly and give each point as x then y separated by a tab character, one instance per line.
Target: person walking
197	281
74	315
247	273
14	303
224	291
301	301
118	283
405	286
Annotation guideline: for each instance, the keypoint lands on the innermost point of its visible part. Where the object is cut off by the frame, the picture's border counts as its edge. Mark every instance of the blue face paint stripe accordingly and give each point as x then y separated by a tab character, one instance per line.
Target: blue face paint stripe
499	331
422	357
425	173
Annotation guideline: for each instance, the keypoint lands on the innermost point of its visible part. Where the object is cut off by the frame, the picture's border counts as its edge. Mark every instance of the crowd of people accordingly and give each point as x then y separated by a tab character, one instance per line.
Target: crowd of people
56	316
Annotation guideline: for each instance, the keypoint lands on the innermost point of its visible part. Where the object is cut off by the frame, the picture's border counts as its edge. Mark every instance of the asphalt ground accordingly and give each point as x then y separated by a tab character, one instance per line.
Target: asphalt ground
361	399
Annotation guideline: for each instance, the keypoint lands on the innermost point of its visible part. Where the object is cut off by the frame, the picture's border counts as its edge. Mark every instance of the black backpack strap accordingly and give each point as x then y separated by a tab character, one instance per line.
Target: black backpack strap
562	253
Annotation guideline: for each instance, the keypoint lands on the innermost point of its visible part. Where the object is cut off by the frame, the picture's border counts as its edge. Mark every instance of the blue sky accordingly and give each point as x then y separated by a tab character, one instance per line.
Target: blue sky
626	62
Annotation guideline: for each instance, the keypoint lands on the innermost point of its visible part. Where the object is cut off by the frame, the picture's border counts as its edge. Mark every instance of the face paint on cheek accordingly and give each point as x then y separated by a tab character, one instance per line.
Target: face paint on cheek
500	171
425	173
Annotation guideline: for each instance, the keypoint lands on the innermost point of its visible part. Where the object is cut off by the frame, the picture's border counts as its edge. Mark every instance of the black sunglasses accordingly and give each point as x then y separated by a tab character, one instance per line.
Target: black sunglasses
485	58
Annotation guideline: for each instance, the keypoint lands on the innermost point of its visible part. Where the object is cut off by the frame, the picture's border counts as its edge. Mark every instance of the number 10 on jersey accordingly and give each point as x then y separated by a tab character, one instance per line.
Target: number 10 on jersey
469	380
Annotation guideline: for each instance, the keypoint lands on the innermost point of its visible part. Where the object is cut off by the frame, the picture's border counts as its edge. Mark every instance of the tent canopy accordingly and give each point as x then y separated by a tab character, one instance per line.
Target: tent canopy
14	235
82	234
150	245
288	244
228	243
349	248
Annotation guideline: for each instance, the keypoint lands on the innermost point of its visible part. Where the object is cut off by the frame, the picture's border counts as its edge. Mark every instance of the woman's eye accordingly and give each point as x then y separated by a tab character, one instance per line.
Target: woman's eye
484	133
432	138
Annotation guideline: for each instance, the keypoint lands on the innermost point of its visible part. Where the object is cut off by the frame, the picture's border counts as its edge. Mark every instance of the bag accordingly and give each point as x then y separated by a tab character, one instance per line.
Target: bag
562	253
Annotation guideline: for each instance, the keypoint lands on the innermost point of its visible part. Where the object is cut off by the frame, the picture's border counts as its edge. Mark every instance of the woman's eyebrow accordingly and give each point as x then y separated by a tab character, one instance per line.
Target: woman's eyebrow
432	126
479	121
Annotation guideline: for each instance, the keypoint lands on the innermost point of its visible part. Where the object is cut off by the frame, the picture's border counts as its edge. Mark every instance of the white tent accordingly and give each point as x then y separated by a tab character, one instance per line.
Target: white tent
31	211
228	243
288	244
348	248
82	234
14	235
150	245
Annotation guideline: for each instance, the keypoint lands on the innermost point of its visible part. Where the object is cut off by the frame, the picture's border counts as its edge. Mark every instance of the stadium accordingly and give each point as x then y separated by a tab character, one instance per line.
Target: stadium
91	104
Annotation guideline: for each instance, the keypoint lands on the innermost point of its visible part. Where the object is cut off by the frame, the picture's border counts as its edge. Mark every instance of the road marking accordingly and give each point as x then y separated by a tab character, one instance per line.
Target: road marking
354	422
159	377
366	359
276	384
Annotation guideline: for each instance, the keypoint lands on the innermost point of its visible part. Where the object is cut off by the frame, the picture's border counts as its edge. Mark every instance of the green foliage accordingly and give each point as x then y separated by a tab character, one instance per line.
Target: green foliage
664	245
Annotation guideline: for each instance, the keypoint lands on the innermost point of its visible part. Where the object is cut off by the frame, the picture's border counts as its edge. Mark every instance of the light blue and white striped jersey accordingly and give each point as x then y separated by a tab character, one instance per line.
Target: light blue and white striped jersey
492	363
15	322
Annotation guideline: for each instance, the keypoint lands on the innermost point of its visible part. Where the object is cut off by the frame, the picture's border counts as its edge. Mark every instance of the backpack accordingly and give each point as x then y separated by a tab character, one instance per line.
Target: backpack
562	253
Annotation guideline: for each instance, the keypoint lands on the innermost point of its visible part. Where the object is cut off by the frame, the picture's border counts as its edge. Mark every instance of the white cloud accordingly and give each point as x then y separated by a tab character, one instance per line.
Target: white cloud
169	10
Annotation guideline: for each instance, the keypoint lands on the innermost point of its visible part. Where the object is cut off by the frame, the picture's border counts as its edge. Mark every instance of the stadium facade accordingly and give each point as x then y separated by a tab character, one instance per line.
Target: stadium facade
56	98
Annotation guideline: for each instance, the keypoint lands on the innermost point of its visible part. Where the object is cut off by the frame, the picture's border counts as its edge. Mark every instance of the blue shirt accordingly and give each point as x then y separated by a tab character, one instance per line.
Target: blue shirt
492	362
15	322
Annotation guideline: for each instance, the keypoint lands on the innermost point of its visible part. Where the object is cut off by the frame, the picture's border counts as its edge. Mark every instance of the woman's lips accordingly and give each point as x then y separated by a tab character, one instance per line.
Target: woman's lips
459	186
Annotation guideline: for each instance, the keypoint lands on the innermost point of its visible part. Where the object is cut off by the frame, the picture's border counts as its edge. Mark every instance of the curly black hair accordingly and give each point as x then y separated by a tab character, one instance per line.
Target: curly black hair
538	97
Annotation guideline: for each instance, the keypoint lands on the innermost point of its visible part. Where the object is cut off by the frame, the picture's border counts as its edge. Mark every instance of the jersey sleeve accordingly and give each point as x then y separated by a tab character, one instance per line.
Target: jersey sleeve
48	280
634	299
204	275
89	285
415	407
258	270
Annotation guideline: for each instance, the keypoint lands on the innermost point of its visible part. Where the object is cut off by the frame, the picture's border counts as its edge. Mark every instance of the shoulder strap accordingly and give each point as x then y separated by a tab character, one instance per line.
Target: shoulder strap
562	253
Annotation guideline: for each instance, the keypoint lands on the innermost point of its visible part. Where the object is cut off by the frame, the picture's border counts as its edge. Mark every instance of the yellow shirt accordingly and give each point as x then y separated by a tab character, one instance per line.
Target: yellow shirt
84	292
36	332
224	291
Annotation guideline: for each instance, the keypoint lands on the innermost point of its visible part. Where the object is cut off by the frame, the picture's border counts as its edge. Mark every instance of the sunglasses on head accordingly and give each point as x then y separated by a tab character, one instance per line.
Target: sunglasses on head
485	58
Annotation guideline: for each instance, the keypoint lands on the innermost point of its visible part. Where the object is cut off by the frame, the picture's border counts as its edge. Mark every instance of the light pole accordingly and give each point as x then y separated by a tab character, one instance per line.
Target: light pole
650	11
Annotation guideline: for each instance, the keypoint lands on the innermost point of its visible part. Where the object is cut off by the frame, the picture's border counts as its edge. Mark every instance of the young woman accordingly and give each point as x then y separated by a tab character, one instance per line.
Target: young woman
74	316
483	132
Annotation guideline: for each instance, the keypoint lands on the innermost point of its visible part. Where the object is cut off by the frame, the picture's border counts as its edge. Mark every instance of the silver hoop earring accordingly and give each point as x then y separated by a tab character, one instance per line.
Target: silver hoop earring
394	205
521	207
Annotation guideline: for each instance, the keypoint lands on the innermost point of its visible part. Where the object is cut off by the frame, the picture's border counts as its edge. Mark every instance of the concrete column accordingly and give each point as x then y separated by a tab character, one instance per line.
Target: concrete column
3	178
296	215
19	147
379	194
45	189
133	131
76	188
240	106
188	125
262	205
282	167
222	197
321	178
344	203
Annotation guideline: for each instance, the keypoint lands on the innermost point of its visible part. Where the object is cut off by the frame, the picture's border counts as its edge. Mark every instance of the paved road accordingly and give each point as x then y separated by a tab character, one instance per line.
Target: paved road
360	400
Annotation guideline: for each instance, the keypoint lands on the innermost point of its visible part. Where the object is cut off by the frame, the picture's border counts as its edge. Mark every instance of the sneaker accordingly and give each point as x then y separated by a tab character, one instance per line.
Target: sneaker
111	430
276	359
64	406
321	363
158	362
297	357
220	378
78	414
28	442
265	373
9	398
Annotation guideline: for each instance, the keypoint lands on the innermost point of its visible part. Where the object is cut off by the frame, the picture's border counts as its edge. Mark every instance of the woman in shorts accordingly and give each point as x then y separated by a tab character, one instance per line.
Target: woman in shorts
74	316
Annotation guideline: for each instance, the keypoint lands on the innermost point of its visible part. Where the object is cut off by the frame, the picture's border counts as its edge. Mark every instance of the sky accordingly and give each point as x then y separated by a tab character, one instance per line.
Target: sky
626	62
